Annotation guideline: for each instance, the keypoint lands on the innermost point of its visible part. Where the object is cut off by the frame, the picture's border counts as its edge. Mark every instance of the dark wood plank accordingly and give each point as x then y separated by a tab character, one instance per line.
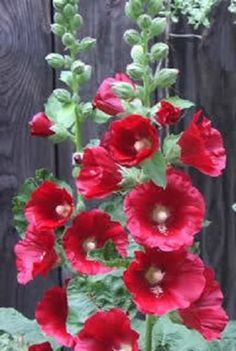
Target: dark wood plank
25	82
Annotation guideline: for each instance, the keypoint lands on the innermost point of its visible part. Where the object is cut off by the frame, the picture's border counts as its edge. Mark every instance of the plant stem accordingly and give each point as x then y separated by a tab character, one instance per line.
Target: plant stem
148	333
146	83
78	133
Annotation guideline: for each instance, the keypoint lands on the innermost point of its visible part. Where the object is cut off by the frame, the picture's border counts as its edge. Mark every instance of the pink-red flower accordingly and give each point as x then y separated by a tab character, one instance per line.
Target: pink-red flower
164	281
40	125
168	114
35	254
92	230
166	218
99	176
50	206
51	315
202	146
108	331
41	347
106	100
131	140
206	314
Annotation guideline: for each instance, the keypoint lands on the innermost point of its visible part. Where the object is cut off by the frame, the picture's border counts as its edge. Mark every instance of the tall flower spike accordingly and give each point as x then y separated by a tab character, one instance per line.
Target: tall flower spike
167	218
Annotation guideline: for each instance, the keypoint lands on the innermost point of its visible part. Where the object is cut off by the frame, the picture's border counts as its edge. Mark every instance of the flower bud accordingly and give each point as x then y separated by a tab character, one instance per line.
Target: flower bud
134	8
154	7
158	26
69	11
166	77
159	51
78	67
59	18
68	39
135	71
40	125
58	29
144	21
132	37
86	43
62	95
123	90
59	4
137	54
77	21
55	60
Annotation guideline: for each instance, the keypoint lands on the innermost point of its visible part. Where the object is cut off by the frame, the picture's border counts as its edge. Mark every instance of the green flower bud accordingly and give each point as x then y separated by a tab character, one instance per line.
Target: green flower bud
144	21
135	71
159	51
59	4
86	75
123	90
133	9
78	67
158	26
137	54
59	18
69	11
154	7
68	40
86	43
58	29
77	21
166	77
55	60
62	95
132	37
68	61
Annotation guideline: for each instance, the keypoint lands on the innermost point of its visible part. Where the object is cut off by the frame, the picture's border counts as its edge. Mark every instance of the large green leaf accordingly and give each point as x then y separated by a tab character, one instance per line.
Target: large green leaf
228	342
155	168
179	102
114	207
63	114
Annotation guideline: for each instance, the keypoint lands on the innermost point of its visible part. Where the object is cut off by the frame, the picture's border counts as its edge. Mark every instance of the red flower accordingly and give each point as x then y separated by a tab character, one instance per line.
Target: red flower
202	146
106	100
51	315
92	230
99	176
41	347
131	140
164	281
206	314
49	207
107	331
35	254
40	125
168	114
165	218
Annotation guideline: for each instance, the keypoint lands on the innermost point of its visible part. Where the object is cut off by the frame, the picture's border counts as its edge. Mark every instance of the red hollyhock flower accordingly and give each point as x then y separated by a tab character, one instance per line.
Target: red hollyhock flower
168	114
106	100
107	331
50	206
165	218
91	230
41	347
131	140
51	315
99	176
202	146
35	254
164	281
206	315
40	125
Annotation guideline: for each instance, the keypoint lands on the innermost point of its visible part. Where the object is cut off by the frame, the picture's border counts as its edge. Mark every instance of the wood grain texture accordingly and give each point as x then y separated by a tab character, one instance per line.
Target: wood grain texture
24	85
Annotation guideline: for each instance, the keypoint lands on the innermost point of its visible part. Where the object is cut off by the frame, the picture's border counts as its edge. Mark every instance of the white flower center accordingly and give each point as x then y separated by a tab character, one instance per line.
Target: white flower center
141	144
160	215
63	210
124	347
89	245
154	277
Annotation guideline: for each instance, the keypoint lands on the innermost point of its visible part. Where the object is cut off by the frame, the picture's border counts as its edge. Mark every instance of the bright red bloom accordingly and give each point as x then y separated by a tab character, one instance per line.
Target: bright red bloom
202	146
35	254
107	331
41	347
168	114
166	218
106	100
164	281
99	175
51	315
40	125
50	206
206	314
92	230
131	140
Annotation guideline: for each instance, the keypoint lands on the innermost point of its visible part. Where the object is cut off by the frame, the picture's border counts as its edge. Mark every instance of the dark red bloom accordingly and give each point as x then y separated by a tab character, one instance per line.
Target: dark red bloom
99	175
106	100
51	315
35	254
206	315
165	218
202	146
40	125
92	230
41	347
131	140
107	331
50	206
164	281
168	114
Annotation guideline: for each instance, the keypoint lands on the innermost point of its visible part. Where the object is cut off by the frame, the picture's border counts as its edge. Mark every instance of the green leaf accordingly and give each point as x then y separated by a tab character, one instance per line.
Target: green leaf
60	135
100	117
114	207
206	223
171	149
228	341
173	336
15	324
60	113
181	103
155	168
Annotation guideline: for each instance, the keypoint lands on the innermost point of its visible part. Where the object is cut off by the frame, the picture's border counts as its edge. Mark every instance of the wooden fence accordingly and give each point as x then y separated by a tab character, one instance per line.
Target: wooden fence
208	77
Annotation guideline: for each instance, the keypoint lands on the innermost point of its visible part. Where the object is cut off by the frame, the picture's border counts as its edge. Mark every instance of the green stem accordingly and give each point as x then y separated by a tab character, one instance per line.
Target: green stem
148	333
78	133
146	82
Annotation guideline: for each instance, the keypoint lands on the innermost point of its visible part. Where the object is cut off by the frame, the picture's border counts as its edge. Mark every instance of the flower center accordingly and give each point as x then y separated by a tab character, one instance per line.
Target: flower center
89	245
124	347
160	215
141	144
63	210
154	276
